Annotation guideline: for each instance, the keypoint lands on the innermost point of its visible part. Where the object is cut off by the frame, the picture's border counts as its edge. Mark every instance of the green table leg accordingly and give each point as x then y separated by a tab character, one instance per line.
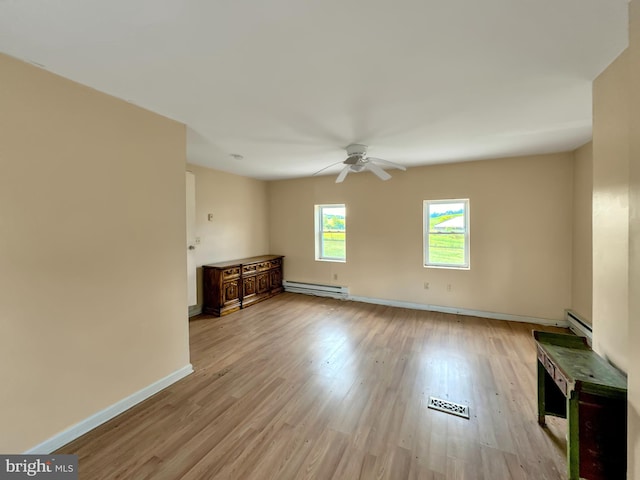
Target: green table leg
573	443
541	386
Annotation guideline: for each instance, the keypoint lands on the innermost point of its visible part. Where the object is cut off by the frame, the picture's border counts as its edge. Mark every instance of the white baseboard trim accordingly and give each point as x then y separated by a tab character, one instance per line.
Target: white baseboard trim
461	311
89	423
195	310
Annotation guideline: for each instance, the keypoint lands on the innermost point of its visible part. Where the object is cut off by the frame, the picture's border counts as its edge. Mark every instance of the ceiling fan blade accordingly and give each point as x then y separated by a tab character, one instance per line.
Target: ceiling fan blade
323	169
343	174
380	173
386	163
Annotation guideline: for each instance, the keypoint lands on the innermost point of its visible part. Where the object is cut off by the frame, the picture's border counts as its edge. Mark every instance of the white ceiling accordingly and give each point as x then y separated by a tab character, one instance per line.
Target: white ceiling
288	84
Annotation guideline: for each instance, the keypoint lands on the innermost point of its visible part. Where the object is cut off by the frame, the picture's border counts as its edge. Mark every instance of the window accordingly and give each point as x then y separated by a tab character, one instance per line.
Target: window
446	233
331	233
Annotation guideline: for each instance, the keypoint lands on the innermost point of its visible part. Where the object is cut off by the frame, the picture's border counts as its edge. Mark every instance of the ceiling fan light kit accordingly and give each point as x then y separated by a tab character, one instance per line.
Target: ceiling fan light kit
358	161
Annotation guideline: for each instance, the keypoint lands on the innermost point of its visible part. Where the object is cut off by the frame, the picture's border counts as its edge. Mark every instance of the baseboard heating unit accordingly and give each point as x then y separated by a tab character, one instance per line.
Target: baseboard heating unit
578	326
333	291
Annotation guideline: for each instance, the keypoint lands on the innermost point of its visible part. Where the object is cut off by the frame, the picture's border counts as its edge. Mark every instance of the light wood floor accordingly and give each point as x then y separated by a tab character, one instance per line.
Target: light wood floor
304	387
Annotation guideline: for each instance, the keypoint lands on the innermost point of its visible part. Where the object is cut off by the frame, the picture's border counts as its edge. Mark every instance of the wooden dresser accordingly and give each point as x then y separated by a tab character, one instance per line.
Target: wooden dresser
230	286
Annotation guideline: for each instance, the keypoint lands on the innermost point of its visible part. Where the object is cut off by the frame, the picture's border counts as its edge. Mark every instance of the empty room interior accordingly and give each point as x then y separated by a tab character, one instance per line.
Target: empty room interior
322	240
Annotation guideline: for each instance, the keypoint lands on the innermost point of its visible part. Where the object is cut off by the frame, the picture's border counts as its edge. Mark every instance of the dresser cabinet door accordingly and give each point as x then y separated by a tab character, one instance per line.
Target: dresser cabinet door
248	286
249	290
275	279
263	282
231	293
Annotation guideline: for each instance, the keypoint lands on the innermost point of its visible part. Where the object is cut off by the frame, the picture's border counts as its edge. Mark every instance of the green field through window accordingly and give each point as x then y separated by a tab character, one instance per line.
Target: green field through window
446	248
333	245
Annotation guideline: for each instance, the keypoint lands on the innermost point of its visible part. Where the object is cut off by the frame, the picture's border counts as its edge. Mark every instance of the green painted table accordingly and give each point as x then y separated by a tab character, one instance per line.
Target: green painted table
576	383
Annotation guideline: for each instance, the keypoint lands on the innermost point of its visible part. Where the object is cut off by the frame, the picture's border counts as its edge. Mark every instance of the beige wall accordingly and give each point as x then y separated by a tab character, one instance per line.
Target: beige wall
582	258
634	244
616	222
240	225
611	212
521	224
92	252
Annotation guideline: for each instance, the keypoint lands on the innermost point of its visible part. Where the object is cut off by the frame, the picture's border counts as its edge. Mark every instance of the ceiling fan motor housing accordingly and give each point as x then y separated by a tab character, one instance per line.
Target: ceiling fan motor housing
356	154
355	149
353	160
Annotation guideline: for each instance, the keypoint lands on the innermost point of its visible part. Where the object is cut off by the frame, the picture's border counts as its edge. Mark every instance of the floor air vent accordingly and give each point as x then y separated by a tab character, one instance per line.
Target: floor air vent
449	407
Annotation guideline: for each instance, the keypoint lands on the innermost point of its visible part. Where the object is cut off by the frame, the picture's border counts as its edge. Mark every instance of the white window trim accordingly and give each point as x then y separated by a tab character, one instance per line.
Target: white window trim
426	234
317	213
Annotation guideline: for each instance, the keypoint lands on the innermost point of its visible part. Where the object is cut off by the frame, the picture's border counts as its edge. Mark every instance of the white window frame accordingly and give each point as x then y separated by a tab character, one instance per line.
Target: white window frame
318	214
426	234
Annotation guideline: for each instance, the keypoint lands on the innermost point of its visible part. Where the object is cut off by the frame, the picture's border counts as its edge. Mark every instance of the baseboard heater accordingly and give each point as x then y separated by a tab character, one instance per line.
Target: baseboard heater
333	291
579	326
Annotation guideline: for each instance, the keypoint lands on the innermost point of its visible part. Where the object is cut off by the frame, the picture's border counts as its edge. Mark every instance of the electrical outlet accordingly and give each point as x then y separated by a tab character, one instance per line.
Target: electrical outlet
426	285
197	240
448	287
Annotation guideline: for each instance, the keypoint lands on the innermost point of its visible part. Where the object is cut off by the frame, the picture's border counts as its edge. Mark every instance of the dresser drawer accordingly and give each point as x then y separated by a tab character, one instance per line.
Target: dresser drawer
229	273
276	263
249	268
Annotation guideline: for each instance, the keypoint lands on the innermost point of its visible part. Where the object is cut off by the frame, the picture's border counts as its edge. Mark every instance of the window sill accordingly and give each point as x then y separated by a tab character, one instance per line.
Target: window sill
447	267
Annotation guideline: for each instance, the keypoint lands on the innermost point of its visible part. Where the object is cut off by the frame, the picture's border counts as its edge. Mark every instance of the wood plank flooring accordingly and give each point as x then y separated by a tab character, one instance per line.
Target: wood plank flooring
301	387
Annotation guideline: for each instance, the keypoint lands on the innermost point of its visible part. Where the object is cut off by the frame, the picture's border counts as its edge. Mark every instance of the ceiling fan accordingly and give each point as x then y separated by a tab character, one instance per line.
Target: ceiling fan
358	161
